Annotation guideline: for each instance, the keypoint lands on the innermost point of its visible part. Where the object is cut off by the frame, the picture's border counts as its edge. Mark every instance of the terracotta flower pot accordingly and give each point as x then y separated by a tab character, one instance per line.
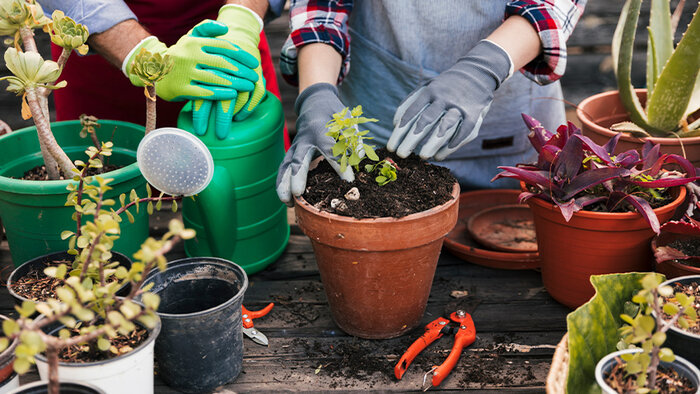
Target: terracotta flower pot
377	273
598	112
591	243
673	268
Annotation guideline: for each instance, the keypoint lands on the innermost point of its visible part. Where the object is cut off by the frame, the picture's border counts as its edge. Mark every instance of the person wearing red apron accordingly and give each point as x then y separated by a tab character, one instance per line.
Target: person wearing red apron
98	88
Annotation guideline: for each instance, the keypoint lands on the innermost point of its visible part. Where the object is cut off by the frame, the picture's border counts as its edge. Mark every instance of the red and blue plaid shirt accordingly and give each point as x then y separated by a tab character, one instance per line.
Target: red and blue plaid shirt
325	21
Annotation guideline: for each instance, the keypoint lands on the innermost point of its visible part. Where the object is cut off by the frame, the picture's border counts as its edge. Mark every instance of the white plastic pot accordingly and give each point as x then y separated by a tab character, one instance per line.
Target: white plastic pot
10	384
127	374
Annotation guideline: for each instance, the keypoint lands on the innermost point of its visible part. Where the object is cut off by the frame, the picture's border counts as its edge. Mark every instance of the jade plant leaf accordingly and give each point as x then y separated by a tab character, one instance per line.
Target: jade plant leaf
593	327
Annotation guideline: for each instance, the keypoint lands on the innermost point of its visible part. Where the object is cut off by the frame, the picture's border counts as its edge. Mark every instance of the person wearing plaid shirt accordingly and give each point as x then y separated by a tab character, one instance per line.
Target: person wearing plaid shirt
439	76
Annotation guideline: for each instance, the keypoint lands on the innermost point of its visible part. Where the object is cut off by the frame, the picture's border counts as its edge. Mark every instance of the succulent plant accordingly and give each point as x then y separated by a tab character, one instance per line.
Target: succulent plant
68	34
30	70
150	67
673	83
15	14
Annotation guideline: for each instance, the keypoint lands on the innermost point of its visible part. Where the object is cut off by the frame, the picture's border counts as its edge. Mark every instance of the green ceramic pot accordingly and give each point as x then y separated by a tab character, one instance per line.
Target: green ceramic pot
33	212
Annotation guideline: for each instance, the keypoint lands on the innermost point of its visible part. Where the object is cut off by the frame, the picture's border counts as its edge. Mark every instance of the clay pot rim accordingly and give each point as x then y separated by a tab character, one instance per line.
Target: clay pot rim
612	215
303	204
584	118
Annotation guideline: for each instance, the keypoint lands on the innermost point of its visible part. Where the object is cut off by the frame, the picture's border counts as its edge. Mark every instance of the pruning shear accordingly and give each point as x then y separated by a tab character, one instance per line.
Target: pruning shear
248	329
465	335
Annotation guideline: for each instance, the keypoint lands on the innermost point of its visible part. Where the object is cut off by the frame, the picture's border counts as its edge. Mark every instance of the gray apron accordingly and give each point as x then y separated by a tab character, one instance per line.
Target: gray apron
398	46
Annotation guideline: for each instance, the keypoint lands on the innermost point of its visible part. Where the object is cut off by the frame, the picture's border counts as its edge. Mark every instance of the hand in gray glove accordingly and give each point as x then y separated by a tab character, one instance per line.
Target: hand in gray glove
315	107
448	111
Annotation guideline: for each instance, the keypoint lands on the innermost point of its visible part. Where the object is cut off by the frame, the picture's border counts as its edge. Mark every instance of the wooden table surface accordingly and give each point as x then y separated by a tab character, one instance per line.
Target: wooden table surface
518	325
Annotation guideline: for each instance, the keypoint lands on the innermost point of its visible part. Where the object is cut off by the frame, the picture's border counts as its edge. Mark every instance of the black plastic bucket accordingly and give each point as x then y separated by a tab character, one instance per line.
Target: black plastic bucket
200	346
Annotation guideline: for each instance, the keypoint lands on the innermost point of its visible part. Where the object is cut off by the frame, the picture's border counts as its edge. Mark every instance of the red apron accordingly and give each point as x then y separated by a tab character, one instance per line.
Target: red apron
97	88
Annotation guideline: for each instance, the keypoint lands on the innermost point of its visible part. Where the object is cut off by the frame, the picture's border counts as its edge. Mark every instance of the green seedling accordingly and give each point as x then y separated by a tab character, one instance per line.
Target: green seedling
647	330
350	141
87	301
387	171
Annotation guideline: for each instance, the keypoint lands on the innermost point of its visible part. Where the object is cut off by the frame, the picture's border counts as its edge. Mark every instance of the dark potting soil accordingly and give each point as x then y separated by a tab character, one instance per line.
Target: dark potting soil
88	353
689	247
419	186
36	286
191	296
39	173
692	289
667	380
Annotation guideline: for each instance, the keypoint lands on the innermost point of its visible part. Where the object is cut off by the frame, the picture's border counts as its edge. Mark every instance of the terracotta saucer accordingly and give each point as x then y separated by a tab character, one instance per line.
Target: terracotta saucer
462	245
508	228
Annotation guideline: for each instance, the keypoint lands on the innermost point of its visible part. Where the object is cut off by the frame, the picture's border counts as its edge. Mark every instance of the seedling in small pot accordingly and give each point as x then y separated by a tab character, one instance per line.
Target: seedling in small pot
658	311
575	173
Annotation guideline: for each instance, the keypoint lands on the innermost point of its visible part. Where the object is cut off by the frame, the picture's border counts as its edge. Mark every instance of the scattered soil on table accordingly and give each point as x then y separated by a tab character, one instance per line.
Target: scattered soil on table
88	353
689	247
36	286
419	186
39	173
692	289
667	380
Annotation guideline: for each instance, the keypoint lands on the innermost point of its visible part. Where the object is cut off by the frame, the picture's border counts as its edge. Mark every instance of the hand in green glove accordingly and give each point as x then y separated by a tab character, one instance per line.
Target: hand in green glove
244	27
204	66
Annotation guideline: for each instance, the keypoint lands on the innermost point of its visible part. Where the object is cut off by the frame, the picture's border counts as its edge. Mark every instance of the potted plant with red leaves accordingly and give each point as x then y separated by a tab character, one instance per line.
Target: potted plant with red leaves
377	271
667	111
595	212
677	248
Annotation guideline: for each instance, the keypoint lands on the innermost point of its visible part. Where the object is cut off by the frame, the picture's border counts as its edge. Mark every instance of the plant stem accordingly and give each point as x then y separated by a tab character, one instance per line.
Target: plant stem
43	128
145	199
150	108
52	360
135	287
28	39
49	162
79	192
65	54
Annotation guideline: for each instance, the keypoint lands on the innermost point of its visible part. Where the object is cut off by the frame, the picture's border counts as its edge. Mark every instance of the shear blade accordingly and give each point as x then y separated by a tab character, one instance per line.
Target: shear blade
256	336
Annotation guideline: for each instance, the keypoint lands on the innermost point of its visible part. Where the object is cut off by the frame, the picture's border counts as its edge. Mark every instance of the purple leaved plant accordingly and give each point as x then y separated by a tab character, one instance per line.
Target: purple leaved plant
573	172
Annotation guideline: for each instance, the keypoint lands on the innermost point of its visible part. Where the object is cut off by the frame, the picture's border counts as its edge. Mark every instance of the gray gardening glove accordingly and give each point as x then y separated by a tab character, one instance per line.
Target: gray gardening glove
315	107
447	112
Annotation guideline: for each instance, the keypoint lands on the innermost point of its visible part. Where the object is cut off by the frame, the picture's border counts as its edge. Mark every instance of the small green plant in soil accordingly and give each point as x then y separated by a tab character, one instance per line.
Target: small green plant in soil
387	171
95	319
647	331
350	141
691	290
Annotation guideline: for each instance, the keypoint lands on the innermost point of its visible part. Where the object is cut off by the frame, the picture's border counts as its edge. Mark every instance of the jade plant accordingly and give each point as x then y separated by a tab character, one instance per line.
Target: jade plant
34	78
86	302
351	145
672	74
574	173
659	309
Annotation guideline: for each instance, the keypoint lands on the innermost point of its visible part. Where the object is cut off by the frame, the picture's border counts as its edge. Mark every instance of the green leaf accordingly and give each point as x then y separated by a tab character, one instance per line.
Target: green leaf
129	216
103	344
658	338
159	204
4	343
674	87
122	199
21	365
371	154
149	208
593	327
174	206
10	327
130	309
662	37
150	300
66	234
666	355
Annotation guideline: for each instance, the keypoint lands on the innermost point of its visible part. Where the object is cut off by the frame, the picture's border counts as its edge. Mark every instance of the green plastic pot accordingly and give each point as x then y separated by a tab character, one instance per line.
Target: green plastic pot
33	212
239	217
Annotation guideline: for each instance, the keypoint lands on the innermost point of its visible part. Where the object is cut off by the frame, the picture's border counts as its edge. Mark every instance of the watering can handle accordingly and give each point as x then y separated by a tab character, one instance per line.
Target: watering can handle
218	213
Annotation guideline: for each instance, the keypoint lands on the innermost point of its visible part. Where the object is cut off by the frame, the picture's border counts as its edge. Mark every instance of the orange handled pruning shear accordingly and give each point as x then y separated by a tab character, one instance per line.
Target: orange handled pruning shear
248	328
465	335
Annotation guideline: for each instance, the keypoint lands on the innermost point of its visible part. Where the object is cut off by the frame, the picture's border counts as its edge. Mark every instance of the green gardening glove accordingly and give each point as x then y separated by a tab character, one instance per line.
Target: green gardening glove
204	67
244	27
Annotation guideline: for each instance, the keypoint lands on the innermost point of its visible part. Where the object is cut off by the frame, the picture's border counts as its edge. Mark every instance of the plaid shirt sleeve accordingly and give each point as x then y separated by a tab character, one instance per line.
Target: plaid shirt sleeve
314	21
554	21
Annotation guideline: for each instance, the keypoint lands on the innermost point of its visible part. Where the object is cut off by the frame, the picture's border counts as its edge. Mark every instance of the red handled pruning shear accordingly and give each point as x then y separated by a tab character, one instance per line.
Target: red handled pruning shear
248	328
465	335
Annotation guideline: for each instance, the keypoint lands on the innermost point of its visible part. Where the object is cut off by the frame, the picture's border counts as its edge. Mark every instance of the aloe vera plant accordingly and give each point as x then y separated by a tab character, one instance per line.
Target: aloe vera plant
672	74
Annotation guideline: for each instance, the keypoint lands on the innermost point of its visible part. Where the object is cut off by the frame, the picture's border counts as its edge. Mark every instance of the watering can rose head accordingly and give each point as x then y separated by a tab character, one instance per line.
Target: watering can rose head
573	172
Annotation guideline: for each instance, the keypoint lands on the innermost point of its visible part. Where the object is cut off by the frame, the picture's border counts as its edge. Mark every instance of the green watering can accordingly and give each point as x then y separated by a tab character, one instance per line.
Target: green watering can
239	217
